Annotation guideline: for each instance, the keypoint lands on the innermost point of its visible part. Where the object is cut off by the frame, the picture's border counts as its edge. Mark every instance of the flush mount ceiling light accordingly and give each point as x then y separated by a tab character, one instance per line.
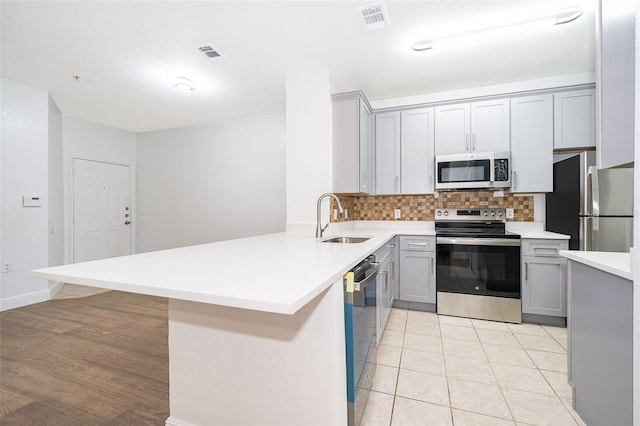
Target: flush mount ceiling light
544	21
183	83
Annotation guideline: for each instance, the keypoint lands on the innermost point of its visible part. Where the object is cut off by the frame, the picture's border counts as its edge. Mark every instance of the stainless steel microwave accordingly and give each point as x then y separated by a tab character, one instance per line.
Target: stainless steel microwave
478	170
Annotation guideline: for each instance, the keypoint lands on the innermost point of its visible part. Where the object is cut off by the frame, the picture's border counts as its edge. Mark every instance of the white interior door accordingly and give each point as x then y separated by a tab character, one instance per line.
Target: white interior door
101	210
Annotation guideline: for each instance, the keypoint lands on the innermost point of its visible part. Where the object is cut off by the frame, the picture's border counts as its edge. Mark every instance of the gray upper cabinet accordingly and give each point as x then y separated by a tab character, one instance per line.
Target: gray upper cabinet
404	151
472	127
352	153
387	144
574	115
417	151
532	144
615	81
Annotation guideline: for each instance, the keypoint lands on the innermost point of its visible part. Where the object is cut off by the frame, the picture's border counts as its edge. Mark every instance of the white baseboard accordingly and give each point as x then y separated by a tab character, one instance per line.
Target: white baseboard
24	300
172	421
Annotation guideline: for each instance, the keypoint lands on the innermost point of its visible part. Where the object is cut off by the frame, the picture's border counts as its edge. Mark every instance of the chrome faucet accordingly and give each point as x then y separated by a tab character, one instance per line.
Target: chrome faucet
319	228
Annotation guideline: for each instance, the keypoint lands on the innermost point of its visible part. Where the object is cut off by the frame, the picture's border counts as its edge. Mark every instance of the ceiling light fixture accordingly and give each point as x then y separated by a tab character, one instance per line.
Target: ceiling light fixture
544	21
183	83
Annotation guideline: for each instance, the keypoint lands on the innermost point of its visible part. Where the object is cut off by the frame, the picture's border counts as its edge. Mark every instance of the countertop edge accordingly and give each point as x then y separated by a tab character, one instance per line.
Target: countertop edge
618	264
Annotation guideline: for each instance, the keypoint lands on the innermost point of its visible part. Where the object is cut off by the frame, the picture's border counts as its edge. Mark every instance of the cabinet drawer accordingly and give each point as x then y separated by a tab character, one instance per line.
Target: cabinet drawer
543	247
417	243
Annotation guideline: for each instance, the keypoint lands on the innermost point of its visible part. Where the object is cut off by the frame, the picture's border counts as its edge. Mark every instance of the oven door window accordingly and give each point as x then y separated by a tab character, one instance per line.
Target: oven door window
481	270
464	171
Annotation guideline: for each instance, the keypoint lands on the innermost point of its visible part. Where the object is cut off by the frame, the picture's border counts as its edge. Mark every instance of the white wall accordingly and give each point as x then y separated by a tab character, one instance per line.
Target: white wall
97	142
309	139
55	186
210	183
25	160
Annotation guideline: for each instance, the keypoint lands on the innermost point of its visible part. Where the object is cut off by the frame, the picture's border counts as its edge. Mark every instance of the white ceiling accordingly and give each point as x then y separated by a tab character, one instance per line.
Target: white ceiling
127	52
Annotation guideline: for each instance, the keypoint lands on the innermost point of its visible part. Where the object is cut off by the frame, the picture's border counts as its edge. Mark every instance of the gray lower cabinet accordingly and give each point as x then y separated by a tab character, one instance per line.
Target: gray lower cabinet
417	269
544	278
385	284
600	347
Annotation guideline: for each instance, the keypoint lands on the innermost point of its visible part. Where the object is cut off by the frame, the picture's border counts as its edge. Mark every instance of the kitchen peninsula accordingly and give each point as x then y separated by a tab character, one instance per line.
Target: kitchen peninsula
600	336
256	325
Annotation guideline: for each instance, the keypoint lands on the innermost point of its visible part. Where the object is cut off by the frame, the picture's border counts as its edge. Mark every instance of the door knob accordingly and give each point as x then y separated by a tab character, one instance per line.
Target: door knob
126	222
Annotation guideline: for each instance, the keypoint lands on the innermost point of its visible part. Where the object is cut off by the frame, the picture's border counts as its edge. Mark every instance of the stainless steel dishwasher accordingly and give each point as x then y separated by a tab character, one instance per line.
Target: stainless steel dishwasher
360	334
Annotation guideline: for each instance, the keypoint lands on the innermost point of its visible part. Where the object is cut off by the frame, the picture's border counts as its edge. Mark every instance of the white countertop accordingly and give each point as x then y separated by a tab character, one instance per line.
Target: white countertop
277	273
614	263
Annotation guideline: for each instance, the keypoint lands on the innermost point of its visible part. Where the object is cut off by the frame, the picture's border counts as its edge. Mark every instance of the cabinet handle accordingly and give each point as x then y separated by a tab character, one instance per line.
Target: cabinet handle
363	184
396	181
393	270
515	179
473	142
467	142
526	271
433	271
553	249
418	244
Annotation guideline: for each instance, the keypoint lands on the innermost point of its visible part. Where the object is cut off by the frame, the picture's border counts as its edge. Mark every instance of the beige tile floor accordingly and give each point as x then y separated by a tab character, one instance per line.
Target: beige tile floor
440	370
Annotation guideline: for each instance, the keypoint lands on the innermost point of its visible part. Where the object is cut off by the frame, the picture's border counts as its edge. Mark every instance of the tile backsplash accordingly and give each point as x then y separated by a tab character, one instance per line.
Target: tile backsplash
422	207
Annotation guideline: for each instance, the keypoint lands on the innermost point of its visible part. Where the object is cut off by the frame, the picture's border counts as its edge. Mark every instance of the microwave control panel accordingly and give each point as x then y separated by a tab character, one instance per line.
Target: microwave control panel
501	170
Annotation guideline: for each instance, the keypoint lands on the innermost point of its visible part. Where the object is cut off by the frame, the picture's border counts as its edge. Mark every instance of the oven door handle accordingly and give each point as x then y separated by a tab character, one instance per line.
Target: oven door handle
361	285
463	241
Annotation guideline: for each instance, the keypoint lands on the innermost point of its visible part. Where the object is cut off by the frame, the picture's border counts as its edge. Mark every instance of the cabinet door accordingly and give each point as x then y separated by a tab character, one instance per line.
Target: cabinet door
490	126
382	296
417	276
615	81
574	124
388	153
452	128
346	148
366	172
544	286
532	144
416	150
352	153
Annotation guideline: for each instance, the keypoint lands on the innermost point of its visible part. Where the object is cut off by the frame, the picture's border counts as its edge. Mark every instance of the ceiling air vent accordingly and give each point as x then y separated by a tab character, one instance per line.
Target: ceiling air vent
211	52
373	16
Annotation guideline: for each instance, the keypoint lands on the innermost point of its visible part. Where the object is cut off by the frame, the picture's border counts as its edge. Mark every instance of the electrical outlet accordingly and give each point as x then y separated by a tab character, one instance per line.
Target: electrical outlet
396	214
335	214
7	267
509	213
346	213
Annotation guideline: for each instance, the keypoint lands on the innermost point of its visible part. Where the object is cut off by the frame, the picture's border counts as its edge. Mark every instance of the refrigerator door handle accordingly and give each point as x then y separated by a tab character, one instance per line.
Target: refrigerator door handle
586	233
595	191
594	244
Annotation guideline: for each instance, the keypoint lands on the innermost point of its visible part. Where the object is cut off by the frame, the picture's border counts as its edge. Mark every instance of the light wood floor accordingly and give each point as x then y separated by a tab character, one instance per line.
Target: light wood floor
98	360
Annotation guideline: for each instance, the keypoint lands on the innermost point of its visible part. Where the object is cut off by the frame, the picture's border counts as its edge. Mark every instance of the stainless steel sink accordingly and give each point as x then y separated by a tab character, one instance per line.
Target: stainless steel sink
346	240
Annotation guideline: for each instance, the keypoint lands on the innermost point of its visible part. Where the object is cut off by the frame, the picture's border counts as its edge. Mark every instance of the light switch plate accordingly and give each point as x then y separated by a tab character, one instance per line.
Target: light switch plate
31	201
509	213
396	214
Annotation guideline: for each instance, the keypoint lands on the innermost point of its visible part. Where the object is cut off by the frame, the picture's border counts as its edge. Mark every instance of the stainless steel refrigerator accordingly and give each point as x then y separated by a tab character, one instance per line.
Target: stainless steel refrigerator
594	207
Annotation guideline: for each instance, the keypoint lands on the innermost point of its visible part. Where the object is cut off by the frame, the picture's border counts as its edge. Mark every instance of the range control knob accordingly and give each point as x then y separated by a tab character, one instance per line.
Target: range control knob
493	214
446	213
439	212
499	213
485	213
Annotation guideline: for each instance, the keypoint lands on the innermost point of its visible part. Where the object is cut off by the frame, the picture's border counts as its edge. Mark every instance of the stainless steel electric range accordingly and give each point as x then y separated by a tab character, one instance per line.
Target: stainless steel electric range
477	265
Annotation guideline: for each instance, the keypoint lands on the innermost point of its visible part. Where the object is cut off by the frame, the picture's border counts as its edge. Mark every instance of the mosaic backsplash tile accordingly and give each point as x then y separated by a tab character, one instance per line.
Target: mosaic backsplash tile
422	207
